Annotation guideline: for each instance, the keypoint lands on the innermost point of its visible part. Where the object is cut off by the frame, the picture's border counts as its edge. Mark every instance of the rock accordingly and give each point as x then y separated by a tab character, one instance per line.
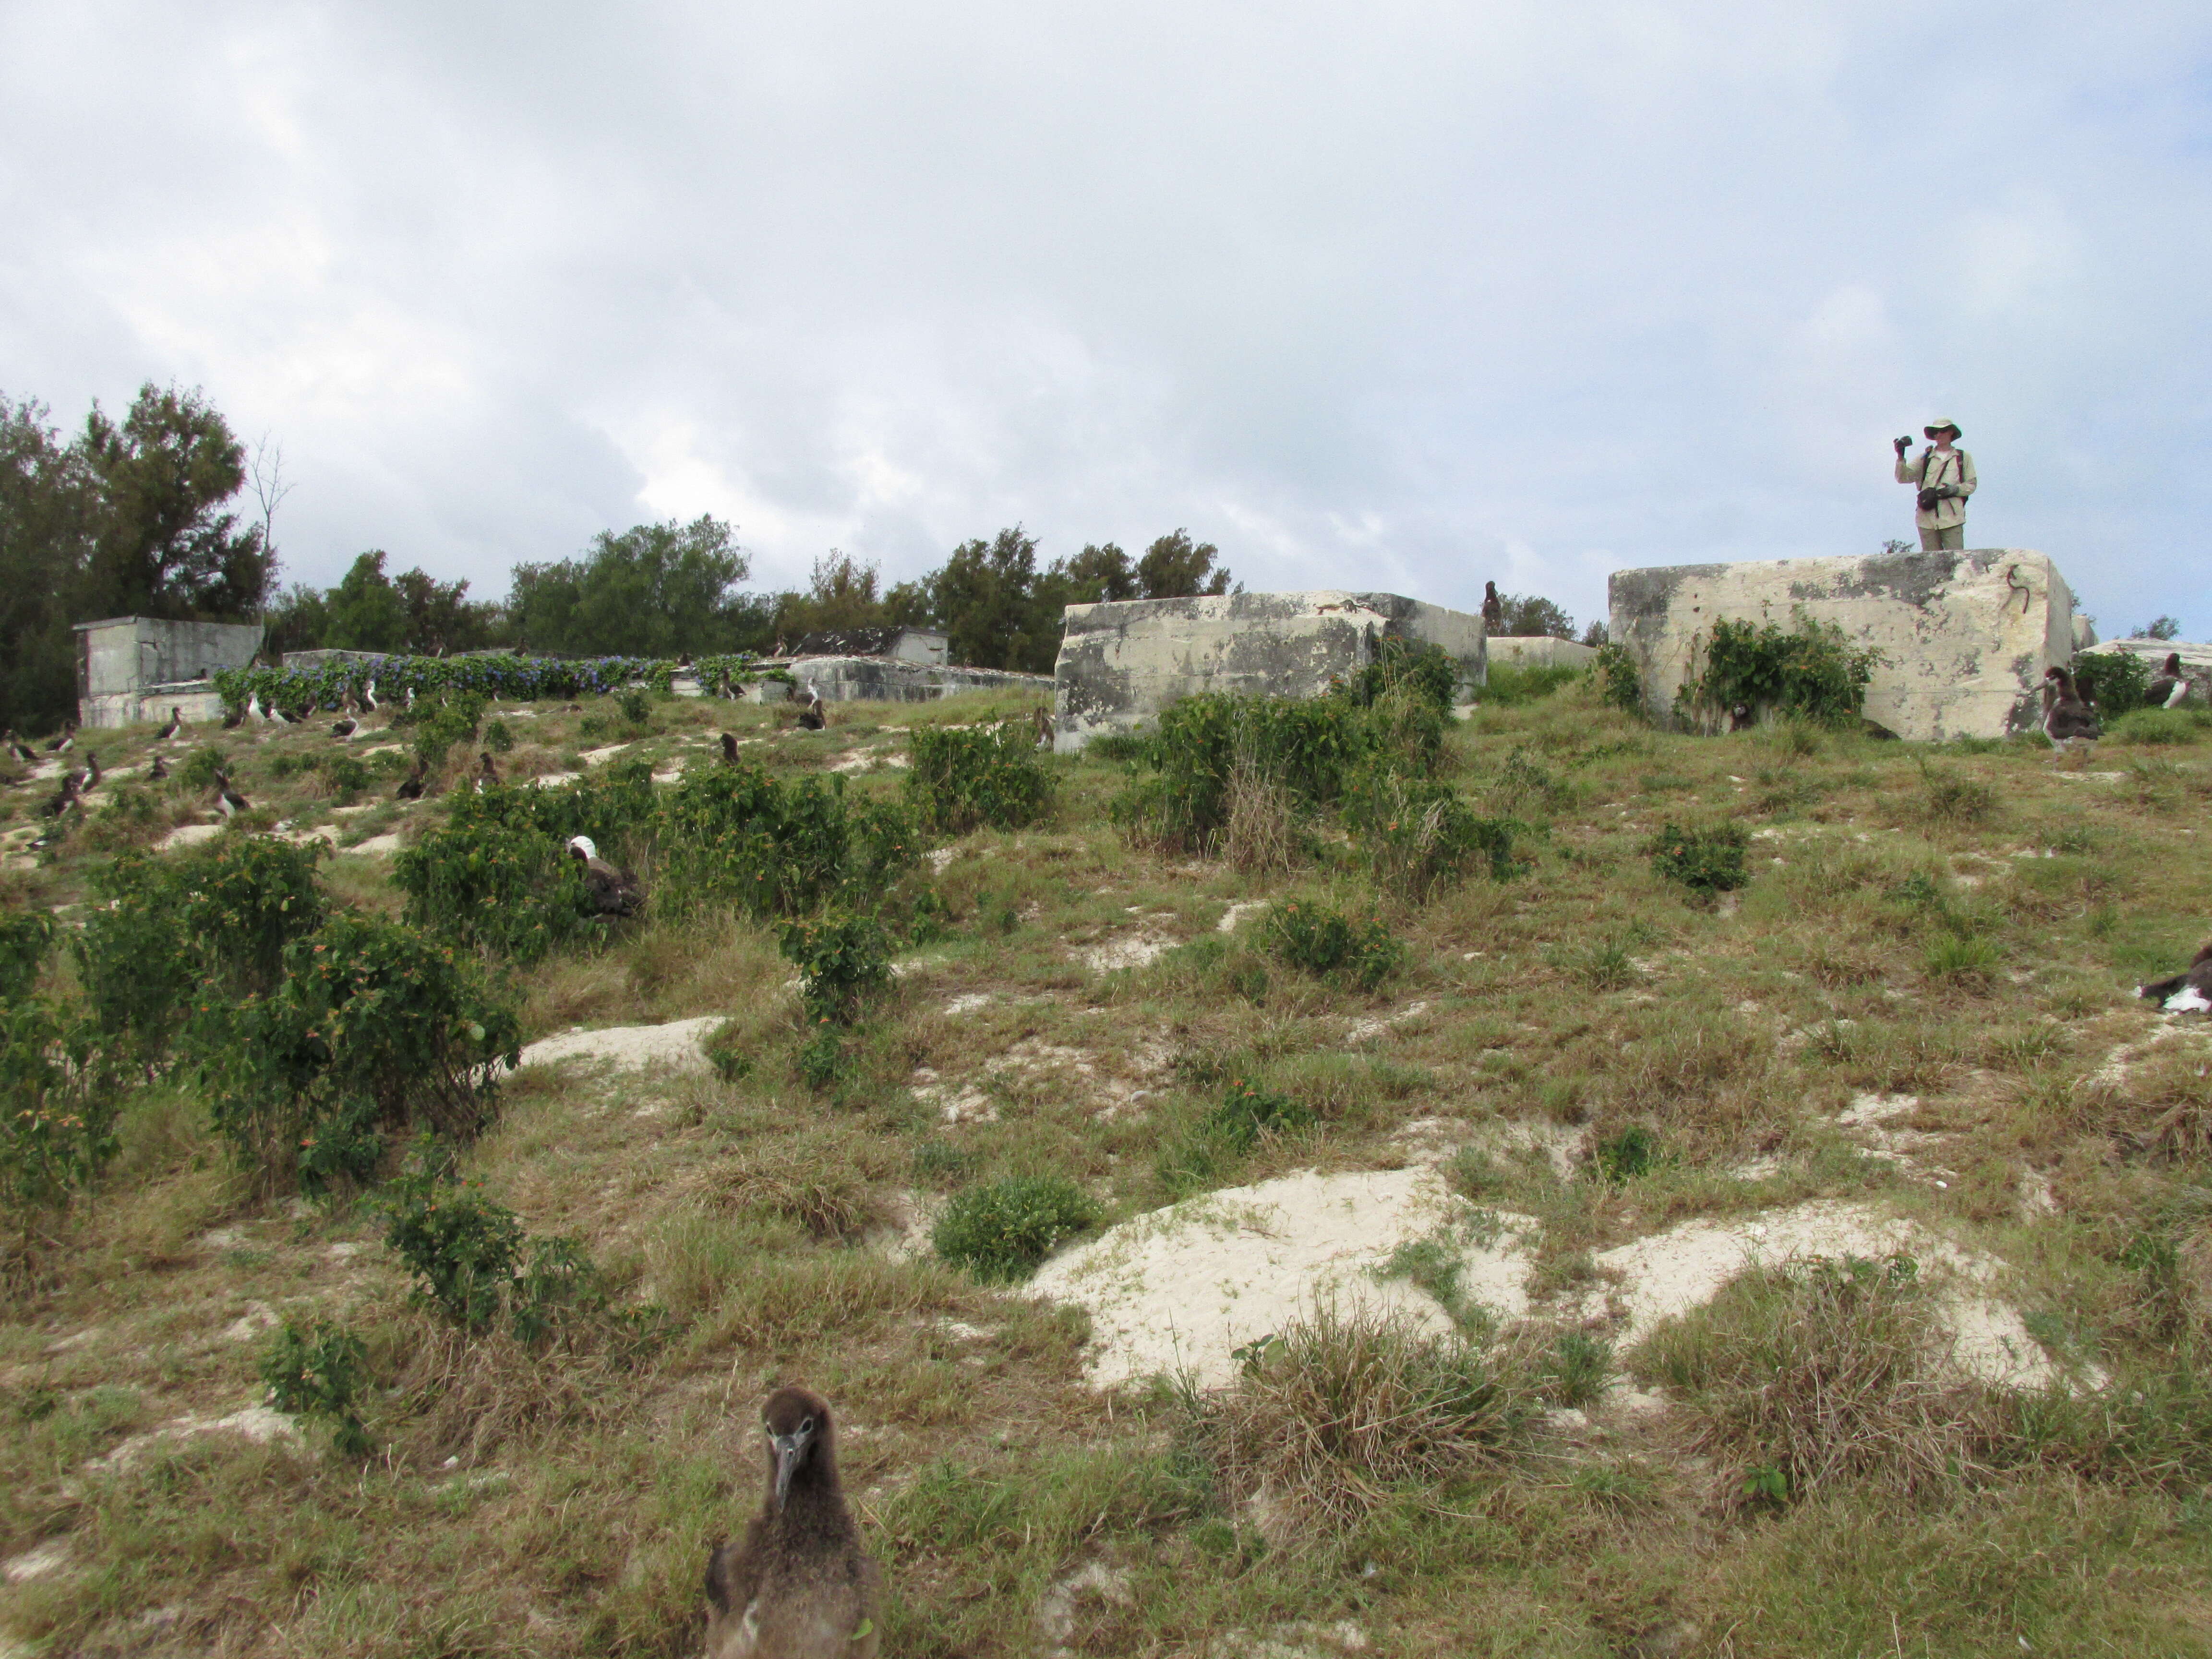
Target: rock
1966	635
1122	662
675	1045
259	1424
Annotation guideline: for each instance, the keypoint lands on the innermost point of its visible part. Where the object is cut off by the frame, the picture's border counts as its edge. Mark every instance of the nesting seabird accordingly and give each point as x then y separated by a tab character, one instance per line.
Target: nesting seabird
228	798
798	1586
2067	721
613	892
342	730
487	775
729	749
2189	992
811	715
157	771
62	744
22	750
368	698
176	725
92	774
2170	689
410	787
1741	719
62	799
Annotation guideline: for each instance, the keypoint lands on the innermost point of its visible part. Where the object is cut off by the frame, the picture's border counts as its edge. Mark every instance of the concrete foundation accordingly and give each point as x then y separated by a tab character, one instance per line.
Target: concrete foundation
1122	662
132	668
1537	651
1965	637
891	679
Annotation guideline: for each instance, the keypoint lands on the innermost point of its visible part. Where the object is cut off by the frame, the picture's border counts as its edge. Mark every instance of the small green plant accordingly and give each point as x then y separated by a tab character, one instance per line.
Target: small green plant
1811	672
1627	1155
1420	834
24	937
318	1370
1948	797
347	777
1329	945
821	1061
1961	958
1248	1113
636	708
441	724
1000	1231
1620	686
472	1261
2160	727
1509	685
844	960
498	737
1704	860
2117	682
1576	1368
197	773
56	1115
978	776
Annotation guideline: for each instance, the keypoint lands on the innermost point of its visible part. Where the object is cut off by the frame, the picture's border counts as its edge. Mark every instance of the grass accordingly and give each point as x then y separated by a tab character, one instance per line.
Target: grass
1889	936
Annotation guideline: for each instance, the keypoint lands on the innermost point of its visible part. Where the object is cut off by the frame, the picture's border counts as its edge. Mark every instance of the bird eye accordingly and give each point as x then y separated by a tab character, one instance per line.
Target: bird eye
807	1427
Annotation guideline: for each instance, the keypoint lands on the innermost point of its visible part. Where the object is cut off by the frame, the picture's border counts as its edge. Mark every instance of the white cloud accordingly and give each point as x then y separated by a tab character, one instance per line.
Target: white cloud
1419	293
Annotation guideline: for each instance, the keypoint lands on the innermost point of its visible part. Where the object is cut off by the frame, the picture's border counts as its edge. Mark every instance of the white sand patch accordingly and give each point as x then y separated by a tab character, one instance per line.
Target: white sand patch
939	858
187	835
1179	1288
1364	1030
258	1319
1562	1145
259	1424
1124	950
675	1045
375	846
47	1560
862	760
968	1003
967	1104
1237	912
85	1338
385	749
600	756
553	780
1095	1580
325	833
1684	1267
1292	1641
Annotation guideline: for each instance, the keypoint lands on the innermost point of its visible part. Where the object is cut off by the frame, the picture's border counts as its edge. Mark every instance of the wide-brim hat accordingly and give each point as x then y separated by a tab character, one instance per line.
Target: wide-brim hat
1934	427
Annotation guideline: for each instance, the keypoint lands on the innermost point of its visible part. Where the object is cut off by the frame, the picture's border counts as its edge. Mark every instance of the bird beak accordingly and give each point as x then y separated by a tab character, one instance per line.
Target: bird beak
789	1449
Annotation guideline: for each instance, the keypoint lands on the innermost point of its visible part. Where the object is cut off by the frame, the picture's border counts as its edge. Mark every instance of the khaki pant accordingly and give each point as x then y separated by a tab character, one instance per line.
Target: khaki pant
1932	541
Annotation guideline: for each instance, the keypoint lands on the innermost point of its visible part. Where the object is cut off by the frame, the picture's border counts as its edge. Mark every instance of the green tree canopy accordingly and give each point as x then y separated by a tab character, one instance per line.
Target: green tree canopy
1175	568
656	590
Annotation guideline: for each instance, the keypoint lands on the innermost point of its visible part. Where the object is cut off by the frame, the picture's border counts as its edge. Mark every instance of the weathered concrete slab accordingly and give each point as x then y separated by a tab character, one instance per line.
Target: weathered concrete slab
1965	636
1537	651
127	666
1122	662
893	680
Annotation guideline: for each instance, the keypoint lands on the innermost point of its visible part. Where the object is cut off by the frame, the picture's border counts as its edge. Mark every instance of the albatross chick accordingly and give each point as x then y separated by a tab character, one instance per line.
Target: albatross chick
2069	722
2187	992
613	892
799	1585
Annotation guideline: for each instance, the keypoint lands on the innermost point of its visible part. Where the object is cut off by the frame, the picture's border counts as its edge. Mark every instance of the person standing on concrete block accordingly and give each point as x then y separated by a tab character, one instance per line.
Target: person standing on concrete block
1944	474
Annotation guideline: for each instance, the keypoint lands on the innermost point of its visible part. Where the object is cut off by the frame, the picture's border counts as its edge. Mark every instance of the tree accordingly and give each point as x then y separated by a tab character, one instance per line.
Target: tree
162	546
1173	567
364	612
440	616
841	594
2158	628
46	505
1529	614
298	619
985	598
657	590
1100	574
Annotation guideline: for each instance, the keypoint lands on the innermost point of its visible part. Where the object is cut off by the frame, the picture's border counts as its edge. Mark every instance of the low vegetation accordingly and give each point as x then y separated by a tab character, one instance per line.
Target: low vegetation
1571	979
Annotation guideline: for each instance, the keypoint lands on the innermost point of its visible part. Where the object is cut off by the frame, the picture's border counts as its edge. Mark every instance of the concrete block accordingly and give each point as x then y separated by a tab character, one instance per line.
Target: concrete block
1122	662
896	679
1965	636
124	661
1537	651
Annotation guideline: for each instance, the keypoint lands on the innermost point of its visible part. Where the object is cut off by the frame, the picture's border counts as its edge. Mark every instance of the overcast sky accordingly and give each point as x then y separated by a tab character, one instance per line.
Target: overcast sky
1391	296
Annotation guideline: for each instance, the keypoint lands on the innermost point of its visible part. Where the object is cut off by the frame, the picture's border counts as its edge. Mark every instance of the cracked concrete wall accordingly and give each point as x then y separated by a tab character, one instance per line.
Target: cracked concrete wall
1537	651
127	665
1966	635
1122	662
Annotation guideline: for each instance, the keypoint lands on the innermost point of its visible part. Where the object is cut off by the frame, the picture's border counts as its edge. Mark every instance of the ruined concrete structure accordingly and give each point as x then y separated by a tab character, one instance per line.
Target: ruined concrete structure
926	646
1964	636
2196	661
1537	651
131	669
1122	662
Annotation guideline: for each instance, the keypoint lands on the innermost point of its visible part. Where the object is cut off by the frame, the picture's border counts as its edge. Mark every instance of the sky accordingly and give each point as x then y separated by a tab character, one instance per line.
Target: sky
1391	296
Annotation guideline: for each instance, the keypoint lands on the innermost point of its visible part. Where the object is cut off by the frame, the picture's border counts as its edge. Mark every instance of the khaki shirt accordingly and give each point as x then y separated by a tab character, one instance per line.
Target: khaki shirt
1935	467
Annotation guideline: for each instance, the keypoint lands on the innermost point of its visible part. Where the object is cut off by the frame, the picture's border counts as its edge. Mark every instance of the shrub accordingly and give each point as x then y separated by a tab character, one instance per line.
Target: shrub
2155	726
516	679
1425	672
24	937
636	708
57	1112
376	1028
317	1370
440	723
475	1264
1812	672
197	772
1948	797
978	776
1305	745
1420	834
347	777
821	1061
1704	860
1248	1113
1822	1370
1329	945
498	737
1337	1416
733	835
505	889
1000	1231
2117	682
1627	1155
1620	686
842	961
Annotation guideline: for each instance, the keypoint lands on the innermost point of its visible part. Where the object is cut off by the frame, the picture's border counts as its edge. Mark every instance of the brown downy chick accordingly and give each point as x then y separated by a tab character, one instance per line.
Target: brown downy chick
798	1586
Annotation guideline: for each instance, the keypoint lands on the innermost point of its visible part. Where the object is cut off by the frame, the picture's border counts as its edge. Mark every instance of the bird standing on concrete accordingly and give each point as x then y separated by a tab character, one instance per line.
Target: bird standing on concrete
2189	992
228	798
613	892
2170	689
176	725
2069	722
798	1586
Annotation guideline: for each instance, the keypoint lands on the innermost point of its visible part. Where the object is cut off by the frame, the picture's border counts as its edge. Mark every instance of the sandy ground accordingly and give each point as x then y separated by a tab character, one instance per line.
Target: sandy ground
1178	1289
631	1047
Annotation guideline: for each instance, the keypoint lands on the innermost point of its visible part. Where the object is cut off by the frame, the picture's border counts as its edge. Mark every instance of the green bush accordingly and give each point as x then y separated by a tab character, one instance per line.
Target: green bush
1000	1231
440	723
318	1370
1626	1155
376	1028
1419	834
507	889
1620	686
1308	746
733	835
498	737
347	777
2151	727
1704	860
1812	672
1329	945
636	708
1425	673
24	937
57	1112
821	1061
842	959
474	1264
2117	682
990	775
